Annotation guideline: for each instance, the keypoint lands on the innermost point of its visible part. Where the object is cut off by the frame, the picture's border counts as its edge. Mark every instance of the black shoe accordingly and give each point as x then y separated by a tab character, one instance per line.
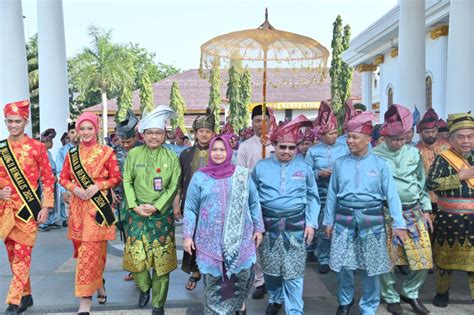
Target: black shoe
394	308
102	299
323	269
272	309
64	224
344	309
241	312
311	257
441	300
54	226
416	305
44	228
259	292
158	311
143	299
12	309
26	301
403	269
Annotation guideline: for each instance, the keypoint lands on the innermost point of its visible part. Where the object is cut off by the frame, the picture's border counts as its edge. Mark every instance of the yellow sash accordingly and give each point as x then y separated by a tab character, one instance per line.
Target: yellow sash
457	162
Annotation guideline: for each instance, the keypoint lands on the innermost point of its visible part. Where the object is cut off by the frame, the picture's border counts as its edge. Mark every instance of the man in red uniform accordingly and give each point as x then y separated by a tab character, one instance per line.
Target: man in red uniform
24	164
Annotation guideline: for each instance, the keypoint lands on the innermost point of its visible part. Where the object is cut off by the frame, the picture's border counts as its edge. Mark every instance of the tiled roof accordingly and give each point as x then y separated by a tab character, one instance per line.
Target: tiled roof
195	90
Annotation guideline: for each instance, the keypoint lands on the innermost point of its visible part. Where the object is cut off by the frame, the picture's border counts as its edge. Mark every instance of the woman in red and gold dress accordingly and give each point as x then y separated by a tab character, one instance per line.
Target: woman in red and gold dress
90	170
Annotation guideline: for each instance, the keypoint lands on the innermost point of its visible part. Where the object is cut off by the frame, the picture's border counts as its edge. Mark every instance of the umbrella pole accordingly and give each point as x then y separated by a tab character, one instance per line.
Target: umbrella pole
264	103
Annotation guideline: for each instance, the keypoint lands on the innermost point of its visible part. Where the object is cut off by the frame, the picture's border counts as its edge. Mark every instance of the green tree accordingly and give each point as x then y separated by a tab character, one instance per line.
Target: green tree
234	97
345	79
335	70
33	80
146	95
215	94
178	105
246	95
124	102
104	67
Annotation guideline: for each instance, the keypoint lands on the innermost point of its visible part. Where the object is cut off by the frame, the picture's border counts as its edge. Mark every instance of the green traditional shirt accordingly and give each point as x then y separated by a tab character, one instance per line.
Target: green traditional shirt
150	177
145	170
408	172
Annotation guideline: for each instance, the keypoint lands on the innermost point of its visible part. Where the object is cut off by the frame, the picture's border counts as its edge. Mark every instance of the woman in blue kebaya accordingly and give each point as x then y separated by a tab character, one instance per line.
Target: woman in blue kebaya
223	222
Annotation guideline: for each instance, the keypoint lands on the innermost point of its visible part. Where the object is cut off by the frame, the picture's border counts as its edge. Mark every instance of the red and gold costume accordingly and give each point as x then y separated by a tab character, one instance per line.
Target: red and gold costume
20	236
429	154
90	238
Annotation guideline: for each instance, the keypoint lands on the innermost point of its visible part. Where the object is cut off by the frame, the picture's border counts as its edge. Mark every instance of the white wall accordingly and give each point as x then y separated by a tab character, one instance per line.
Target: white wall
388	77
436	59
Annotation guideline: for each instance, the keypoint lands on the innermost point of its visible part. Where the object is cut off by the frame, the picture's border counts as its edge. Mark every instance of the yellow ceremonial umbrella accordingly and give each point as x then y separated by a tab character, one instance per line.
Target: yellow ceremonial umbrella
268	45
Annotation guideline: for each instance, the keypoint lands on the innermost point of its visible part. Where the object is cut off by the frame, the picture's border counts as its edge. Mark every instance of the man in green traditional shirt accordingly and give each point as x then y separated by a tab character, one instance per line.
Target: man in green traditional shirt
151	176
408	172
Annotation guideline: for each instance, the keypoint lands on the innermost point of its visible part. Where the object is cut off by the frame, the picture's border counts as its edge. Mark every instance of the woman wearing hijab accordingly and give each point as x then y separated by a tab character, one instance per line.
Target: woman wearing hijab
90	170
223	222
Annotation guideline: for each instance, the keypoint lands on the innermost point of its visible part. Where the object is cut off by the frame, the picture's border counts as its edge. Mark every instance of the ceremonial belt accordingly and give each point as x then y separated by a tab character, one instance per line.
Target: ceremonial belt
360	204
457	162
104	213
456	205
32	204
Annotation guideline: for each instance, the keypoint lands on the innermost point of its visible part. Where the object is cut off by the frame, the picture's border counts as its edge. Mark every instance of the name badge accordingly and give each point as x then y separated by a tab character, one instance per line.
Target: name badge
158	183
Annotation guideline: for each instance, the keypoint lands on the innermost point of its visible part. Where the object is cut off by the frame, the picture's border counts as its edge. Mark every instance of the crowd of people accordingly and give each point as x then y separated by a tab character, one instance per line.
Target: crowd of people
254	208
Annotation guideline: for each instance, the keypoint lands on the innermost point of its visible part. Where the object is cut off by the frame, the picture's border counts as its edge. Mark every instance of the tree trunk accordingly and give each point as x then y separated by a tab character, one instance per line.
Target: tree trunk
104	116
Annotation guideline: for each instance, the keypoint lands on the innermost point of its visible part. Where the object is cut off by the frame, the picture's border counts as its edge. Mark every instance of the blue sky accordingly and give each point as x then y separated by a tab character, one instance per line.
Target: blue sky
175	30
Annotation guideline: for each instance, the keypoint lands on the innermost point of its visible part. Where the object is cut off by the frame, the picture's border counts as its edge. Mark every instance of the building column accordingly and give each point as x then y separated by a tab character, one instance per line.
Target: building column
367	74
54	96
460	66
14	84
440	34
411	55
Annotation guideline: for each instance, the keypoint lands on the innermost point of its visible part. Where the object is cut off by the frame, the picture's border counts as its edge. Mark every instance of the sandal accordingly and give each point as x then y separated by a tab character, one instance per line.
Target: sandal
192	282
102	299
128	277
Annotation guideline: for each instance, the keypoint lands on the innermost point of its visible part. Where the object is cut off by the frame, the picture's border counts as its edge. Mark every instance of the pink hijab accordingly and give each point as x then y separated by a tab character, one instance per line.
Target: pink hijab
223	170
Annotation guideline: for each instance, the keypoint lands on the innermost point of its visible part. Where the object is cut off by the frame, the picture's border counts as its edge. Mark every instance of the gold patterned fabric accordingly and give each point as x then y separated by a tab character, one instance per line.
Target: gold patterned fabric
416	250
19	257
150	244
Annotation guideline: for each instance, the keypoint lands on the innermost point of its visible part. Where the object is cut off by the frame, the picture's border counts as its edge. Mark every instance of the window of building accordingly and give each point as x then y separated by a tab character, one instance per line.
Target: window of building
429	92
390	97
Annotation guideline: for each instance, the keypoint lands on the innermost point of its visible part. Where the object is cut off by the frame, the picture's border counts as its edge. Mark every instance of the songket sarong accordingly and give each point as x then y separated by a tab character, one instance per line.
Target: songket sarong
283	250
416	250
150	243
91	258
359	239
223	295
454	234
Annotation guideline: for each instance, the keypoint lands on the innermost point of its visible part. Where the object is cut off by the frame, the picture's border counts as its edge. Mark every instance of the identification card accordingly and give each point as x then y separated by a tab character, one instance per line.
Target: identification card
158	183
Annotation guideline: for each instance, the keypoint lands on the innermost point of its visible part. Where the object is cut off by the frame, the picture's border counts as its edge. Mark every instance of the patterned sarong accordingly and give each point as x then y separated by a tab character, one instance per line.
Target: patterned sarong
416	250
359	239
224	295
283	251
91	257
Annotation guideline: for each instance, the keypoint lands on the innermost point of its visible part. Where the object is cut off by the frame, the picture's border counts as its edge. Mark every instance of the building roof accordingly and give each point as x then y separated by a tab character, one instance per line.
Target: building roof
195	90
382	35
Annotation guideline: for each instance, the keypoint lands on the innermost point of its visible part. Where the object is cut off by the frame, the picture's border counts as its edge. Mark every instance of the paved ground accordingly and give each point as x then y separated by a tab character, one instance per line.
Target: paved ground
52	278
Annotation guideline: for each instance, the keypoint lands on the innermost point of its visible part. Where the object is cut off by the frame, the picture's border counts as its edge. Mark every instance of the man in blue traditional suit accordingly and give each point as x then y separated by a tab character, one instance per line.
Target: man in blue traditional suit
321	158
360	183
406	165
290	207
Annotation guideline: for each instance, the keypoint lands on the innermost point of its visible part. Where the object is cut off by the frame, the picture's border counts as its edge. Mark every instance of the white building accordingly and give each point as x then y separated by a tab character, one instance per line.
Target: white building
418	54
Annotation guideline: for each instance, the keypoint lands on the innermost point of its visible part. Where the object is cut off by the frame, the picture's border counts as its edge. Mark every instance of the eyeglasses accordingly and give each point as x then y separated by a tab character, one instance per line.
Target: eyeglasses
154	133
287	147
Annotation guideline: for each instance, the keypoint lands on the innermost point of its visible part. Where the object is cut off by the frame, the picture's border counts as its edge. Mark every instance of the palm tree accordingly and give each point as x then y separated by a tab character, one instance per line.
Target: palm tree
33	78
104	67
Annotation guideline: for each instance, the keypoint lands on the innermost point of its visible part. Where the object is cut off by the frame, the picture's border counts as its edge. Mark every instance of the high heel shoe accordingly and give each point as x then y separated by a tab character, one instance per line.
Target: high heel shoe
102	299
85	313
